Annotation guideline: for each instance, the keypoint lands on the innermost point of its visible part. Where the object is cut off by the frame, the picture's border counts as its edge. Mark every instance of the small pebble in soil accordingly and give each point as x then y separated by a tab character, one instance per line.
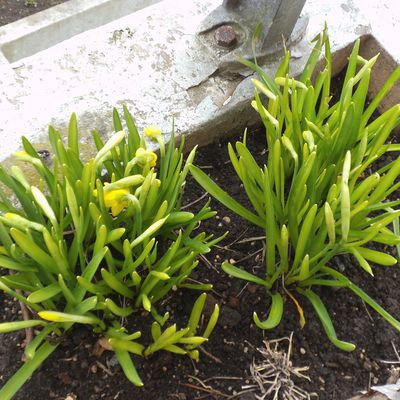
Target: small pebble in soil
331	364
227	220
93	369
234	302
252	288
302	350
65	378
229	317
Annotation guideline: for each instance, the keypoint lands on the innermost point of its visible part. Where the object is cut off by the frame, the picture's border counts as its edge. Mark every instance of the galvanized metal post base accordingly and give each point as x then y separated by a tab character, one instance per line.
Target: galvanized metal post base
228	31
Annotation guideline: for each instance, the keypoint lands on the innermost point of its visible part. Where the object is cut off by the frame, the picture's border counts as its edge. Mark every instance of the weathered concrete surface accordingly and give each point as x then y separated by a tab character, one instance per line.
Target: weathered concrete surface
43	30
384	19
154	62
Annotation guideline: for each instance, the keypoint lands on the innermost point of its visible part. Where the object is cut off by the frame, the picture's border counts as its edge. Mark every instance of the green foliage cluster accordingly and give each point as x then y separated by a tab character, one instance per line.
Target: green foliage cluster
316	196
98	242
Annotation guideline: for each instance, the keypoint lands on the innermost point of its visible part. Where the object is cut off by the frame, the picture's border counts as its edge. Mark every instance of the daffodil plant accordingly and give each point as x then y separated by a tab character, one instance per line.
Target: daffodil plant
322	190
99	243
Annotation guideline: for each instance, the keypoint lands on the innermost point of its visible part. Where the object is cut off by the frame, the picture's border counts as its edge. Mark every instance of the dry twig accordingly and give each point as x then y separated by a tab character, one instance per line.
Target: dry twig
214	358
204	388
194	202
249	255
208	262
396	353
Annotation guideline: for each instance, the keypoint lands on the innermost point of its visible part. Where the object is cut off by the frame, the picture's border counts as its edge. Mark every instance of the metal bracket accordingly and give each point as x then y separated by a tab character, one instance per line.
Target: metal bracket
228	30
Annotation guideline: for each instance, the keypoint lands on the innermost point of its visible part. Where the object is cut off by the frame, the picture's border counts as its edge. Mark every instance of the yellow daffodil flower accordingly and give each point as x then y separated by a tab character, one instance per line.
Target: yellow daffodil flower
145	158
117	194
152	131
116	199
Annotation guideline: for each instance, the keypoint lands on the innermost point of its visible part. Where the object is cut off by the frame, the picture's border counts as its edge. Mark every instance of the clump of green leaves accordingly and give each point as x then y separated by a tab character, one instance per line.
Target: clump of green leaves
98	242
319	193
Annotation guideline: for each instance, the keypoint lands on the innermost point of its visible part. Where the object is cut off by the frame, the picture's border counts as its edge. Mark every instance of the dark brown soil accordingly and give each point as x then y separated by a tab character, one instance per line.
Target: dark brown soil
12	10
74	370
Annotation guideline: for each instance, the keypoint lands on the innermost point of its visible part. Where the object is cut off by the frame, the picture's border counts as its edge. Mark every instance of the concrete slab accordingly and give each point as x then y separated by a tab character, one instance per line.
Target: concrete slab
153	61
49	27
384	20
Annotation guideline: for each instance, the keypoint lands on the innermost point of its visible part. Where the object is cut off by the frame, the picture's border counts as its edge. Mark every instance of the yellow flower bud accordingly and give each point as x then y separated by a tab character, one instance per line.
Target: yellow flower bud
124	183
145	157
16	221
21	154
152	131
112	143
24	156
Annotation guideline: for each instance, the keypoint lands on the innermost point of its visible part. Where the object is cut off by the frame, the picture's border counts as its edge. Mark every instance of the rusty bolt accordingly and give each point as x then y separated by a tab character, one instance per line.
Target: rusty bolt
225	36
